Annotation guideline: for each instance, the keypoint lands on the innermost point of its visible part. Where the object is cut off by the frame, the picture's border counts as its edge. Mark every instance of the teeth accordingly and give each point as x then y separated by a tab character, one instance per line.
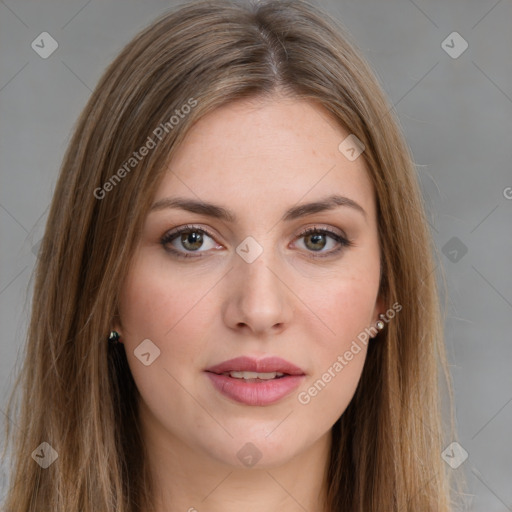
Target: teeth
254	375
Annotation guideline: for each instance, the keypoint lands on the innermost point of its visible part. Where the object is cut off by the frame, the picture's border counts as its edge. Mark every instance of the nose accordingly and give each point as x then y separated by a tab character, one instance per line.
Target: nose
257	301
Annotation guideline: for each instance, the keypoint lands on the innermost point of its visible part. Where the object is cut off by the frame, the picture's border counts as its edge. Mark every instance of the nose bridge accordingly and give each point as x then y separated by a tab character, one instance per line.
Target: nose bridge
255	257
257	279
256	296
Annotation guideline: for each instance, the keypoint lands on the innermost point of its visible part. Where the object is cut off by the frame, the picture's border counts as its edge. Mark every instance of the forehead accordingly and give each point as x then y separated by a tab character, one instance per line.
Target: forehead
266	151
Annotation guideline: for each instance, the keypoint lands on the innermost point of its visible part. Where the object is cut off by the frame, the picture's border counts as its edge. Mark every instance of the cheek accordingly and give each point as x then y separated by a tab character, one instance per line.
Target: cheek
345	299
171	312
339	356
346	307
168	310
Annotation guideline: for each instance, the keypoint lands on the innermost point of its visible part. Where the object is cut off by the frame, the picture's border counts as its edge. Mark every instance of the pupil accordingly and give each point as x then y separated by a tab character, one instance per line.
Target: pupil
317	239
192	238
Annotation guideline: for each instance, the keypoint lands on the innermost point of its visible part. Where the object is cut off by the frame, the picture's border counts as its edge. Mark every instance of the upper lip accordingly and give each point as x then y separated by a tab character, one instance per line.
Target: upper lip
250	364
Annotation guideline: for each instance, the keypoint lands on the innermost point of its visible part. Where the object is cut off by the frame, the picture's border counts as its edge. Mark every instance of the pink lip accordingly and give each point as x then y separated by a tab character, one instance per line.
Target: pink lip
256	393
249	364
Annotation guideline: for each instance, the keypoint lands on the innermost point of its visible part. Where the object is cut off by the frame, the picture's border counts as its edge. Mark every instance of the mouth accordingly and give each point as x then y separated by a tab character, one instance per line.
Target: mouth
263	367
255	376
255	382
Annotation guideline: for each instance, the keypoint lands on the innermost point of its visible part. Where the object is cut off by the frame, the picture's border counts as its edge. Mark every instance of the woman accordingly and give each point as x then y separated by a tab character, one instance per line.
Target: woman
235	304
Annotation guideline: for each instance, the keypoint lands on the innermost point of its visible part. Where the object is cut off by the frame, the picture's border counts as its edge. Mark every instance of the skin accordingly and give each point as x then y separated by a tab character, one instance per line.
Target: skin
258	158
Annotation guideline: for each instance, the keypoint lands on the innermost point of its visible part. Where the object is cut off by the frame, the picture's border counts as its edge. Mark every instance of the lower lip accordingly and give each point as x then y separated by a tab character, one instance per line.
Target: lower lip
255	393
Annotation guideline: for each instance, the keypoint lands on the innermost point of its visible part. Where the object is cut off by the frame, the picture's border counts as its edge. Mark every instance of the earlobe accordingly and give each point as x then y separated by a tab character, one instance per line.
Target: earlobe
380	309
115	323
379	318
116	330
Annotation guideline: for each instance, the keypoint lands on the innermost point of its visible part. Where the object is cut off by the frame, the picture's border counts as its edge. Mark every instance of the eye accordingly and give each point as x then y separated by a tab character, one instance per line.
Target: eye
189	238
316	239
186	240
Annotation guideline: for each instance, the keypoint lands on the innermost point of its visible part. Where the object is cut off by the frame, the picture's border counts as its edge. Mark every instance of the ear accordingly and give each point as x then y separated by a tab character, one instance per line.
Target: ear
117	326
380	308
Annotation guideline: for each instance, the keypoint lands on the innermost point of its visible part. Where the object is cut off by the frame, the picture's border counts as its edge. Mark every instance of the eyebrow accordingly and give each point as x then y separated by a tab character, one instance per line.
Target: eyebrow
212	210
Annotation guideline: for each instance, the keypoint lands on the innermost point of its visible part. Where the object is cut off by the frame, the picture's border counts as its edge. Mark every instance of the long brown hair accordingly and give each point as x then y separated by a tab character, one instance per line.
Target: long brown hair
77	392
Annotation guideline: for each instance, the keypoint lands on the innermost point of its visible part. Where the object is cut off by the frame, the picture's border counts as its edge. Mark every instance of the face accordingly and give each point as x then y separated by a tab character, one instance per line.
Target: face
284	287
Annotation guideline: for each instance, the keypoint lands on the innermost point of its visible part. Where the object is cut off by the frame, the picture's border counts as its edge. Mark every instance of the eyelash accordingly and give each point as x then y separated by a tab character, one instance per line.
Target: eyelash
170	236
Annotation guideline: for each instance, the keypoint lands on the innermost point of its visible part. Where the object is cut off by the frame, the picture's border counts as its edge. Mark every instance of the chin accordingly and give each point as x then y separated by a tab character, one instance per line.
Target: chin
252	456
256	450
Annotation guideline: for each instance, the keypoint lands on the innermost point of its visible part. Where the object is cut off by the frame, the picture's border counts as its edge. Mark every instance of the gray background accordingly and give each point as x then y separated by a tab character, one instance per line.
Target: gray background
456	114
